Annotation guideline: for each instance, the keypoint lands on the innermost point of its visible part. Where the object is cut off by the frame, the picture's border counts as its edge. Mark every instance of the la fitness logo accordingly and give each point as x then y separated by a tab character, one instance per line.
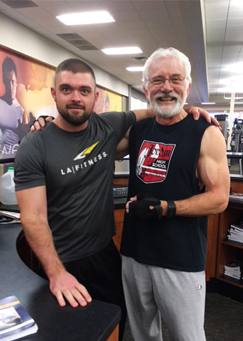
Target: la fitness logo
153	161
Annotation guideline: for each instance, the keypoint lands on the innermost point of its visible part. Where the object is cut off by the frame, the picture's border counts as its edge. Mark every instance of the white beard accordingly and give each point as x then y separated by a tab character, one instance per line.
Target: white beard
168	110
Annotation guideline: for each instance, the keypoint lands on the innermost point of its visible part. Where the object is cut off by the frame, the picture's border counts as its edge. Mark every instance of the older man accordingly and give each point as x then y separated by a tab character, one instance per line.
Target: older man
178	175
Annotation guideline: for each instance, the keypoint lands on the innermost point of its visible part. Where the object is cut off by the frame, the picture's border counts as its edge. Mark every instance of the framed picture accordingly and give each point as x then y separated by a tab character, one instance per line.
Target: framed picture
107	101
24	95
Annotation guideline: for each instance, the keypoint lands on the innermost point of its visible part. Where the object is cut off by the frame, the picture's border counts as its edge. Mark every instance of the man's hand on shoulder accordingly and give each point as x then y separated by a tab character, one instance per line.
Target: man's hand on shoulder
40	122
65	286
197	112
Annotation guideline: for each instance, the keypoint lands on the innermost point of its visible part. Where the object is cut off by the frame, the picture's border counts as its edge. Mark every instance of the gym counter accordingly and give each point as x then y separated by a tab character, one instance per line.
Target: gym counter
95	322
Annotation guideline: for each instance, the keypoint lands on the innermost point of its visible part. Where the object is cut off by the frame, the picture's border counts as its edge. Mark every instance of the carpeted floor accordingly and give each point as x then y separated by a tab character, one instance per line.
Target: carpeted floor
223	320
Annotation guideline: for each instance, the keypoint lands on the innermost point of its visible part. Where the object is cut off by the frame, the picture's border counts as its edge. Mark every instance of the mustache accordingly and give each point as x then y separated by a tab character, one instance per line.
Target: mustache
75	106
166	95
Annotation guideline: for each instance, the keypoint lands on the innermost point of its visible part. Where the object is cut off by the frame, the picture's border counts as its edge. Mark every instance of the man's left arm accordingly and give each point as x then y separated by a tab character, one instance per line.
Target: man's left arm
213	173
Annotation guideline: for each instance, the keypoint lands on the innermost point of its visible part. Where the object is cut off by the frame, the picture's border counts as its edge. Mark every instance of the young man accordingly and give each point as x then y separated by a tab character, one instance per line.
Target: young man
64	188
178	175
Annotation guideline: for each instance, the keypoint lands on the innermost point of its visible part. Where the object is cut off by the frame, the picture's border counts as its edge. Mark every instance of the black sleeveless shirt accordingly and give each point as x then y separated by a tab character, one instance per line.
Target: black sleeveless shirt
163	161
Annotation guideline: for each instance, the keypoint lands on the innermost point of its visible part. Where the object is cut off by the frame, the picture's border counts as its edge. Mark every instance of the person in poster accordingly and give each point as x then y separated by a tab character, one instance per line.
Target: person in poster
24	96
11	112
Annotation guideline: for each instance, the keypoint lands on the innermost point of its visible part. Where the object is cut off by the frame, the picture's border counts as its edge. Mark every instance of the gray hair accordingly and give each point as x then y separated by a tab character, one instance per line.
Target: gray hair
172	53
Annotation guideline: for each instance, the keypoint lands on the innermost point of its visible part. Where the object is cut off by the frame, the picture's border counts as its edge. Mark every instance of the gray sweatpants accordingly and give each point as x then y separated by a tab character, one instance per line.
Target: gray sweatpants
152	292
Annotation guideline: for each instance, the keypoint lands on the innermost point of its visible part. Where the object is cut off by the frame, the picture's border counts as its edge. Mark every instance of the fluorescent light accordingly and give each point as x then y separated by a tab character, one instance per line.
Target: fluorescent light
236	67
232	84
85	18
135	68
122	50
231	89
236	3
232	79
206	103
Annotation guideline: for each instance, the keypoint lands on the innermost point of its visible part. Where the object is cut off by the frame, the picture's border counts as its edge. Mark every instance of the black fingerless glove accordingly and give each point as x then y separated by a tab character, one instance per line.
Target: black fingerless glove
140	209
42	116
46	116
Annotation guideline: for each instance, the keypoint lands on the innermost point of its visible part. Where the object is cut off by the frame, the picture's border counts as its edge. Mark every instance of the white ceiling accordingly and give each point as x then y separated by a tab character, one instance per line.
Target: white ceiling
209	32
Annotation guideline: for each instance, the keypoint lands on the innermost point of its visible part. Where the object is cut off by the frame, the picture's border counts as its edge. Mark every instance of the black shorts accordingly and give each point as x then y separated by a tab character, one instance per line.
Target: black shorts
101	275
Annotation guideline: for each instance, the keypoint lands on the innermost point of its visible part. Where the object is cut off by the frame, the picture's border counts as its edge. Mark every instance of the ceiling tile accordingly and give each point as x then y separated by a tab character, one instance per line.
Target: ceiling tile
148	24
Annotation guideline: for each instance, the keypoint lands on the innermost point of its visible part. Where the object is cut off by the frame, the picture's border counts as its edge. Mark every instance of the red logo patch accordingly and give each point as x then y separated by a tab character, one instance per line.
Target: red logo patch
153	161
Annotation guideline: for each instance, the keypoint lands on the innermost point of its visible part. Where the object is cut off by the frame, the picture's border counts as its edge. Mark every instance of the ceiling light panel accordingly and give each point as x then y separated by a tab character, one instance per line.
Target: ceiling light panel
122	50
229	89
208	103
236	4
234	67
135	68
86	18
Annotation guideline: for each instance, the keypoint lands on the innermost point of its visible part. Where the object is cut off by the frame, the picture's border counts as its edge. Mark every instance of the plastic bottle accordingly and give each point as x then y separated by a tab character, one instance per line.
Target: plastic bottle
7	188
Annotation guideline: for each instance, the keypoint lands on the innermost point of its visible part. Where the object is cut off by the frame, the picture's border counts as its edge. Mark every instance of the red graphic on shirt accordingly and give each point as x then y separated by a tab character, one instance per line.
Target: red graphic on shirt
153	161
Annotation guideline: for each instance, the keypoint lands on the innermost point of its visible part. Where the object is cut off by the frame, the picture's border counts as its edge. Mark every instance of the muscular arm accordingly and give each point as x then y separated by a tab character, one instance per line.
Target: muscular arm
33	213
213	173
212	170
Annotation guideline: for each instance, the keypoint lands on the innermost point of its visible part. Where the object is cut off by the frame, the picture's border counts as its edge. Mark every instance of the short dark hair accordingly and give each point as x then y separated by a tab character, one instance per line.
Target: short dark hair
74	65
8	65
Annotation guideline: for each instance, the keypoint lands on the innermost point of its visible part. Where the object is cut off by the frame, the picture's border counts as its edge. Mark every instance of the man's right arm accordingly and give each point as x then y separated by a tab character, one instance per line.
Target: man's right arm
123	146
33	214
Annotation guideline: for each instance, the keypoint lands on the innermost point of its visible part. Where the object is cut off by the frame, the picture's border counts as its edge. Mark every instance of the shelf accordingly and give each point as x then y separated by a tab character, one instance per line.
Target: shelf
233	204
232	243
7	158
231	280
229	250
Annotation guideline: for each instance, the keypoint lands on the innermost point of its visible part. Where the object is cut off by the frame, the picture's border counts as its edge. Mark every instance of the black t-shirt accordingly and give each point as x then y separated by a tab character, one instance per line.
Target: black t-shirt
77	170
163	162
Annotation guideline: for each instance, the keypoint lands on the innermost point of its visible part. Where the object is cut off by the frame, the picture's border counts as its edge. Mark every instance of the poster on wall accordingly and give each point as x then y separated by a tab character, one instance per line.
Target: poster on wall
24	95
107	101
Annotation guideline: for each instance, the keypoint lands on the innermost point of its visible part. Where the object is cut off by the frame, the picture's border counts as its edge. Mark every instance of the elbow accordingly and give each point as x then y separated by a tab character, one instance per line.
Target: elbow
222	204
223	207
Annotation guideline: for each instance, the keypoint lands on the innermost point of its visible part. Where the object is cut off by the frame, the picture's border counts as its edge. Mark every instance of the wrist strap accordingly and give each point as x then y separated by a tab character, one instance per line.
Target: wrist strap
159	210
171	209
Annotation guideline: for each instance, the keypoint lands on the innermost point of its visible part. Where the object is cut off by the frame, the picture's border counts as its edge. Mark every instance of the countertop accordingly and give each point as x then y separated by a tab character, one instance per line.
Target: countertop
236	177
95	322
